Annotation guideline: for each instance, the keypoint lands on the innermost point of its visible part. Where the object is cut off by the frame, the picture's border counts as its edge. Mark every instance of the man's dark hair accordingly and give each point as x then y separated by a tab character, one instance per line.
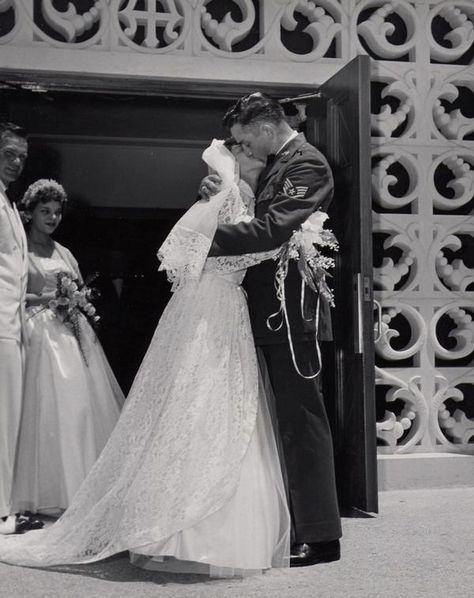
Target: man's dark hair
8	128
253	108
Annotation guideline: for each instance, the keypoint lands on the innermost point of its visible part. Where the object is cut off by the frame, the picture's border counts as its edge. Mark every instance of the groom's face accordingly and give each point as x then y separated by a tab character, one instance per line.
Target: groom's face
254	139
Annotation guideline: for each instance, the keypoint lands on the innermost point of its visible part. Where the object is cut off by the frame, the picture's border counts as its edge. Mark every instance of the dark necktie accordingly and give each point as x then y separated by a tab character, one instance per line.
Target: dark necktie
270	159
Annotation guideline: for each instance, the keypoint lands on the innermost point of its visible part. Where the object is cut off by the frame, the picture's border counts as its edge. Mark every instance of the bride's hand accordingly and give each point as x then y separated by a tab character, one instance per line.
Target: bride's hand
32	299
210	185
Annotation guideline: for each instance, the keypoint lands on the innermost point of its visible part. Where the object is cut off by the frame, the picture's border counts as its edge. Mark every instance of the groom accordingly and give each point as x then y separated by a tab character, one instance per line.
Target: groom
296	181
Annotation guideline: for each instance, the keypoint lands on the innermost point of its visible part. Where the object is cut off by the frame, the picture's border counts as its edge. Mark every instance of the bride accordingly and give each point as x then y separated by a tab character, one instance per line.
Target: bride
190	479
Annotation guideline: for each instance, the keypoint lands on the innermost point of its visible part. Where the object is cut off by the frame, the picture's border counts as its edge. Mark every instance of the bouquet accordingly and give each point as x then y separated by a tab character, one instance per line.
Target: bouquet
73	298
304	247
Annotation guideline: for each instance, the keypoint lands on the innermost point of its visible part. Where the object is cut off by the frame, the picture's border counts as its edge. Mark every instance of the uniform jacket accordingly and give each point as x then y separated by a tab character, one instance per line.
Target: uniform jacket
297	183
13	270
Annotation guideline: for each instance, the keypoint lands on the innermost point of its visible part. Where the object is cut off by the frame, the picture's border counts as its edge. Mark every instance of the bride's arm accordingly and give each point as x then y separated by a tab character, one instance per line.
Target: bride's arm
235	263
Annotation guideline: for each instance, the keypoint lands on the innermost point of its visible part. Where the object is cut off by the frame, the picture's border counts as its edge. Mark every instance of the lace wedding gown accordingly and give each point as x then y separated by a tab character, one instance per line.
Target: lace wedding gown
190	479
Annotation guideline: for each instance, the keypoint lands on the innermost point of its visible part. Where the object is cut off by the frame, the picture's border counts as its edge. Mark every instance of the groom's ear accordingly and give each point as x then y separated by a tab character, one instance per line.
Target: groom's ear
268	130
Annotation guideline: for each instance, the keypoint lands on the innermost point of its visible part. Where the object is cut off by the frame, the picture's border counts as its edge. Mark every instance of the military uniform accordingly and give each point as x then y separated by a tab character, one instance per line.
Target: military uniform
297	183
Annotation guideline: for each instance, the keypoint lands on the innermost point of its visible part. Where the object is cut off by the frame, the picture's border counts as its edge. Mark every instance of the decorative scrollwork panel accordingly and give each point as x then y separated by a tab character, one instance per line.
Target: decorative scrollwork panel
397	178
387	30
450	31
393	105
452	332
452	416
323	22
142	26
9	21
451	179
453	109
406	411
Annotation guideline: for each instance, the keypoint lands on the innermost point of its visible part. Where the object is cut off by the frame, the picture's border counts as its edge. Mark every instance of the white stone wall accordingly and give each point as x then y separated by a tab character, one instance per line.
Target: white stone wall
423	148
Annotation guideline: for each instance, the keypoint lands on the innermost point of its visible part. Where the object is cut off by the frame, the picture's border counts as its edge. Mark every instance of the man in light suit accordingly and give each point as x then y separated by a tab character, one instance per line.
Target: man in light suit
296	182
13	279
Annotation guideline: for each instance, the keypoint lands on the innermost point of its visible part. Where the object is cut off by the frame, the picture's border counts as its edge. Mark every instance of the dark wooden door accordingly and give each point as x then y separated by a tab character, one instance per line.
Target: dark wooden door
338	122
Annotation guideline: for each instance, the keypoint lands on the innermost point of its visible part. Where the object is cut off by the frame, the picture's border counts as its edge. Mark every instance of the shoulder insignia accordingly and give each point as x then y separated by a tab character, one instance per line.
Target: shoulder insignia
292	190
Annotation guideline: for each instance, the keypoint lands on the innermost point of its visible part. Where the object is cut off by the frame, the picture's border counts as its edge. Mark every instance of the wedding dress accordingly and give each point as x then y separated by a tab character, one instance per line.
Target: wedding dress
190	479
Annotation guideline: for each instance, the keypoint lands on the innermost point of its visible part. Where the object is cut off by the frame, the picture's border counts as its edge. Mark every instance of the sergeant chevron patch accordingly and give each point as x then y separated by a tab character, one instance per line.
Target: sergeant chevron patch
292	190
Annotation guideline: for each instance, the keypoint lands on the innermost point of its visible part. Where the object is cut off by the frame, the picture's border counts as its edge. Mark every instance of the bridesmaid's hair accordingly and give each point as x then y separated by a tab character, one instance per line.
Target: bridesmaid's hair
42	191
253	108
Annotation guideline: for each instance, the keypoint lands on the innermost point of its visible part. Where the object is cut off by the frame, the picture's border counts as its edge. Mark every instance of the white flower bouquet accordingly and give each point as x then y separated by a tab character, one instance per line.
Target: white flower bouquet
304	247
73	298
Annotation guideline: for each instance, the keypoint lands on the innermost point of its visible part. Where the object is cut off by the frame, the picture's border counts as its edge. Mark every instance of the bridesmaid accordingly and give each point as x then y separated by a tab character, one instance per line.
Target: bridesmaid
72	400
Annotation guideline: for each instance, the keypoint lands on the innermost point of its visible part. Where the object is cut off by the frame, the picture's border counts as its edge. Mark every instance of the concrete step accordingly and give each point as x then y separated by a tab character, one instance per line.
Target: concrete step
425	470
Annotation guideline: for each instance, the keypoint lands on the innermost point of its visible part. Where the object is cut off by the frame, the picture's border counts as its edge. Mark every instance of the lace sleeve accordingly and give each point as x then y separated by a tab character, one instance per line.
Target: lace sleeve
183	255
235	263
238	205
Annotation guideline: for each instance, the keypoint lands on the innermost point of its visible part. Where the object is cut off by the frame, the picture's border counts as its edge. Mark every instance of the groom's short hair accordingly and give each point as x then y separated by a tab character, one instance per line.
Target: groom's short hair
253	108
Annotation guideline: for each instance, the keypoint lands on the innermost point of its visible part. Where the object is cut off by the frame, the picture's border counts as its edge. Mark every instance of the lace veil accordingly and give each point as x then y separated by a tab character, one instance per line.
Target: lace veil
184	251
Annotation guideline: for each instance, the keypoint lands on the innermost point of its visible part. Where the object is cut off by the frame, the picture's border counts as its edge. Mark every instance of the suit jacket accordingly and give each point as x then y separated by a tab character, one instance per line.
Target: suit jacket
297	183
13	270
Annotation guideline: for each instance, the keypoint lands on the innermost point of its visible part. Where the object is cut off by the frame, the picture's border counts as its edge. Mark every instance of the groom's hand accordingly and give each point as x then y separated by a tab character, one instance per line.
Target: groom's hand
210	185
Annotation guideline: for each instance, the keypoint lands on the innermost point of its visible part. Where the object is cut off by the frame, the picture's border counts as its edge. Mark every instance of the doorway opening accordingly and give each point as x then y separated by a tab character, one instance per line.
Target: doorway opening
131	164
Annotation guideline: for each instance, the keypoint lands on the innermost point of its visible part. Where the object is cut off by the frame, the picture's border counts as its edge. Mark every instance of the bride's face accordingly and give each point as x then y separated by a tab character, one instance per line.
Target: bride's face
249	166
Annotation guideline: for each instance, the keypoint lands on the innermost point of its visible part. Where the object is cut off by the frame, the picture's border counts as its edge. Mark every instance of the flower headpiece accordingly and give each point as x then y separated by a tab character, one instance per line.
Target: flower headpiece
43	190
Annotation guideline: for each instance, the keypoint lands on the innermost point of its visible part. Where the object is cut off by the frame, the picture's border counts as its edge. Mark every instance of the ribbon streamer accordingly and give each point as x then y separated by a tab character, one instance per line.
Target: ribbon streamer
280	277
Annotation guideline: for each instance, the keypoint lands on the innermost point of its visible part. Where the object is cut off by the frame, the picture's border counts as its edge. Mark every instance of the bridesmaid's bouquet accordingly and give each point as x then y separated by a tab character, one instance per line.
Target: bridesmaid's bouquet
304	247
73	299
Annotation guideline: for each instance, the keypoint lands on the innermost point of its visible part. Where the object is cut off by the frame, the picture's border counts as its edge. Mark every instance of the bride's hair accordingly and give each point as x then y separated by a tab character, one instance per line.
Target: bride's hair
230	142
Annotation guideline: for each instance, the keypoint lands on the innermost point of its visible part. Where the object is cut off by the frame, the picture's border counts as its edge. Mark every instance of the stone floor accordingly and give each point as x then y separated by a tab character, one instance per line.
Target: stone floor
420	545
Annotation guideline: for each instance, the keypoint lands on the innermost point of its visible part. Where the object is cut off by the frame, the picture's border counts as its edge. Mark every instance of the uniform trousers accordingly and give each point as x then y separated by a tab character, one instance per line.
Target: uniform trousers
11	388
307	444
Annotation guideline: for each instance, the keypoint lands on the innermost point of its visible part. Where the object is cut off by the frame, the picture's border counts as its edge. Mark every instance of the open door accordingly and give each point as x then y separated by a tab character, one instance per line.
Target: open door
338	123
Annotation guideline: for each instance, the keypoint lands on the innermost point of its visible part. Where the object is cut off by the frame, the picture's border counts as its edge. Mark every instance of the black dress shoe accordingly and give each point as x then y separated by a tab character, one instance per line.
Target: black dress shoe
26	524
312	553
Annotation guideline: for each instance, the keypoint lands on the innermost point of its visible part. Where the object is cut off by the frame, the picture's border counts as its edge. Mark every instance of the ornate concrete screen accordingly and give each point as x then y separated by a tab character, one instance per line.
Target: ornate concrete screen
423	150
423	191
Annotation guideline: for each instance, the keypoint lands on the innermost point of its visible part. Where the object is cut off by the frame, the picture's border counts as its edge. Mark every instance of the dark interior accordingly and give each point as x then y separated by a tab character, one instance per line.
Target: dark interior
131	166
